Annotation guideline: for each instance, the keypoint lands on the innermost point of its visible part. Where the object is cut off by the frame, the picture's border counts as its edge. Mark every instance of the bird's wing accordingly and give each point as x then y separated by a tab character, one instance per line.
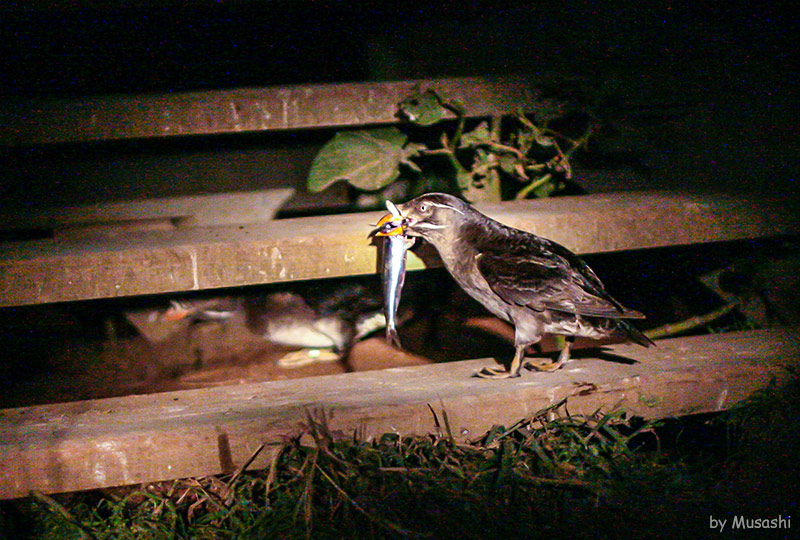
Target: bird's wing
541	282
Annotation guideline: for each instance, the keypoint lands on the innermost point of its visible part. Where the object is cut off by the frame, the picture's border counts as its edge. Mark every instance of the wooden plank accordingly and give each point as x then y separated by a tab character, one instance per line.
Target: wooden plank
91	444
189	211
247	109
150	262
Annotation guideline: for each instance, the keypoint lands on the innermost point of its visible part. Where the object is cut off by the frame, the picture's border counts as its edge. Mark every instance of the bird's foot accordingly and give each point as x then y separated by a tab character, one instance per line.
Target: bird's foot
544	364
494	373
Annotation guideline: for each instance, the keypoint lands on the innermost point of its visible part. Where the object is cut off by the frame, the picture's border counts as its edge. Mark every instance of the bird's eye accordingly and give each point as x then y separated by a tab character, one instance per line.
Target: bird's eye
423	208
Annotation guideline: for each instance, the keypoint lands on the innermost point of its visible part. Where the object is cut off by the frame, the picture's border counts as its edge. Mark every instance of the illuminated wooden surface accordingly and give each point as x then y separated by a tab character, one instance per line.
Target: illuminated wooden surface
92	444
163	261
247	109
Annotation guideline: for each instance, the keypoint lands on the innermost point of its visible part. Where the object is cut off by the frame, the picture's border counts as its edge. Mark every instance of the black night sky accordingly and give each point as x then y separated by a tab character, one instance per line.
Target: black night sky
165	46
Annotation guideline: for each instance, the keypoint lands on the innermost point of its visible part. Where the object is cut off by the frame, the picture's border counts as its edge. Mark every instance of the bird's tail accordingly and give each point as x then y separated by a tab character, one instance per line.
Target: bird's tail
634	334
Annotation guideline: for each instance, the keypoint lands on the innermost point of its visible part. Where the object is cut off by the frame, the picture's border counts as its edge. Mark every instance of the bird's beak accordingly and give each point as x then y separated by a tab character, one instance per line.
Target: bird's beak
393	223
176	311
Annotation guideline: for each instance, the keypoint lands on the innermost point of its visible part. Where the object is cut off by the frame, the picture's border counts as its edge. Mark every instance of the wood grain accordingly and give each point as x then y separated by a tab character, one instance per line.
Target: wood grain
248	109
235	208
151	262
92	444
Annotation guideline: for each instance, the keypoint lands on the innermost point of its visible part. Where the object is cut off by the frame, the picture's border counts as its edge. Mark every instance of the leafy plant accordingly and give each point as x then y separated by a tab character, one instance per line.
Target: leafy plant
437	149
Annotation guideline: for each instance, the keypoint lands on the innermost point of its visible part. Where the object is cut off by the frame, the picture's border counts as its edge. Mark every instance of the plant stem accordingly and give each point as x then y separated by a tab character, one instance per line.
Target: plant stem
523	193
492	188
690	323
505	148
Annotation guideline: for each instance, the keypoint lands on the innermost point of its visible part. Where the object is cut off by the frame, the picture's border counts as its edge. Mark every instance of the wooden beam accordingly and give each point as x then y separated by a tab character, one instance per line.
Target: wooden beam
248	109
187	211
93	444
151	262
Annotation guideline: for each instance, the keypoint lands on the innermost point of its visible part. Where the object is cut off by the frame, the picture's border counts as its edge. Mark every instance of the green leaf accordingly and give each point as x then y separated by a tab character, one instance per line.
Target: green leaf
544	190
525	140
509	163
367	159
481	160
463	179
412	150
423	109
478	136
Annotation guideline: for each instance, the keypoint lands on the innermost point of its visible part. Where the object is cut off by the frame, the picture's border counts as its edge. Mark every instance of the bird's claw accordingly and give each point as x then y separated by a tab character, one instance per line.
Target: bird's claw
494	373
544	365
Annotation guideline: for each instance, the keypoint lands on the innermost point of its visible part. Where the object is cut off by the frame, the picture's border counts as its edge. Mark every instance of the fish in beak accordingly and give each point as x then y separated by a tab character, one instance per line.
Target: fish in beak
393	227
393	223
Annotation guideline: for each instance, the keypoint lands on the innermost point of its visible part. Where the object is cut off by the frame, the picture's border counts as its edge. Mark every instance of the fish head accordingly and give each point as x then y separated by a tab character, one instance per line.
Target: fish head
393	223
428	216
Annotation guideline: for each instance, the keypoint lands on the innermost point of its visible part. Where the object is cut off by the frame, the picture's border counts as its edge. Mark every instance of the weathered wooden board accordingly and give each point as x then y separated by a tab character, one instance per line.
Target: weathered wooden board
188	211
149	262
248	109
91	444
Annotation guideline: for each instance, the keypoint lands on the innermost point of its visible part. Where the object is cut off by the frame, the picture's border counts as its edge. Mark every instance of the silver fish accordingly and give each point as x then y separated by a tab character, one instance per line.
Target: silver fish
394	275
394	270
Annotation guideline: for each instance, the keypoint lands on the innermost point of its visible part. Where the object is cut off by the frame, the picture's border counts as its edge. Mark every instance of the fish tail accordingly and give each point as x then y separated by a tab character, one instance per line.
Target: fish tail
393	337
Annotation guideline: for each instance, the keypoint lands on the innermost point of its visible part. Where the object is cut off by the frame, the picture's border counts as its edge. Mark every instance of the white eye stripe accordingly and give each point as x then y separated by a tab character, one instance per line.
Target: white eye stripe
429	225
440	205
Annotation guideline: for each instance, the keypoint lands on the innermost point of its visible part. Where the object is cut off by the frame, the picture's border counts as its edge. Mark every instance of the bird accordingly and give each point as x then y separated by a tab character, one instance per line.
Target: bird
328	318
536	284
324	320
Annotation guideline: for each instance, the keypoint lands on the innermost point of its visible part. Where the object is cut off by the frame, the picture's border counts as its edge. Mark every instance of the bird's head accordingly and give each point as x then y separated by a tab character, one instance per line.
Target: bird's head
429	216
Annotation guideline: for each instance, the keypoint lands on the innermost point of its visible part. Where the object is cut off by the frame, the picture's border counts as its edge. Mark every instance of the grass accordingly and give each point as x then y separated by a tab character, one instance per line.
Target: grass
552	475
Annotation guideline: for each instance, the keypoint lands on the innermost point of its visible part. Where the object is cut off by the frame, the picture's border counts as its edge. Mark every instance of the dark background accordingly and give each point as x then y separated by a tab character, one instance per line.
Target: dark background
707	90
164	46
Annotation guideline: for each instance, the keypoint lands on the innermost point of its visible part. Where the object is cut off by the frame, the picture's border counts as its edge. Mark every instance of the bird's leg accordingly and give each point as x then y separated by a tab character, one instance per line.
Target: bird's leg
500	373
563	357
